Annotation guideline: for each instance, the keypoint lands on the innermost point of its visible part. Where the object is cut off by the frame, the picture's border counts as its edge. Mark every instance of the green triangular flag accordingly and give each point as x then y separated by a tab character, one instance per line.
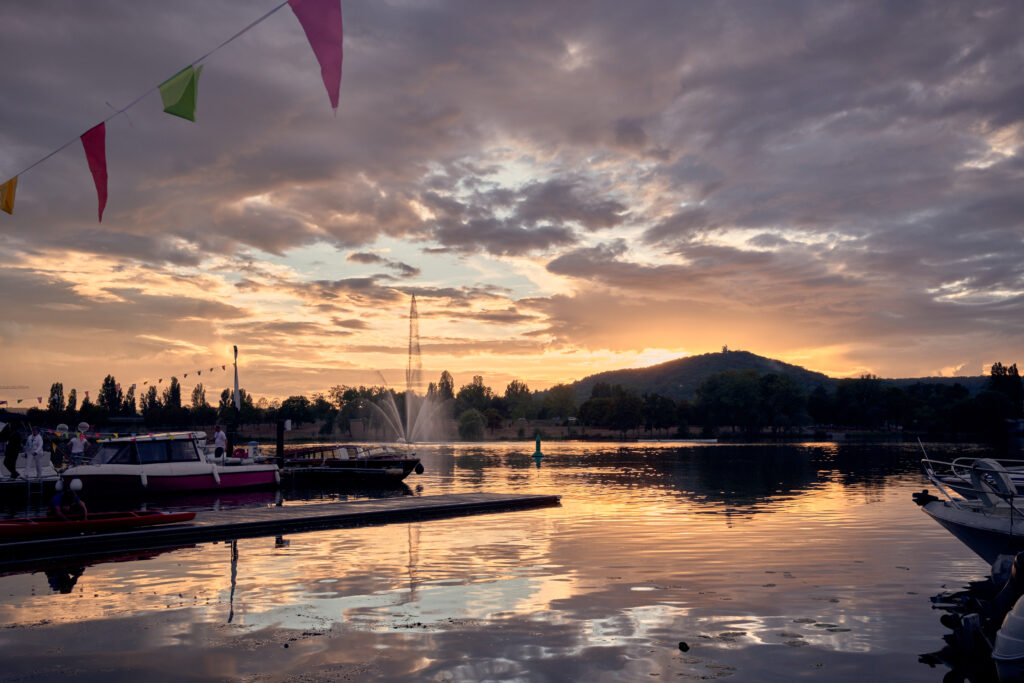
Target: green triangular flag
179	93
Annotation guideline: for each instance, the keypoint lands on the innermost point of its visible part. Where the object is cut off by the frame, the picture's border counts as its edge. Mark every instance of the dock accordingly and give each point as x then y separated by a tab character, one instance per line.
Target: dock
225	525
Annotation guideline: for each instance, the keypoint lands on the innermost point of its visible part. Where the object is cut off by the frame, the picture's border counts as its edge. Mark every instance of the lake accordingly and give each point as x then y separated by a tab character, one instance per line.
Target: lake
770	562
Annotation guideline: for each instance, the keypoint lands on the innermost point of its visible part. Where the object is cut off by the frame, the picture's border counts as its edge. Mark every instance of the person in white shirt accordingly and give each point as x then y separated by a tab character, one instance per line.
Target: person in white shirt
78	449
220	441
34	452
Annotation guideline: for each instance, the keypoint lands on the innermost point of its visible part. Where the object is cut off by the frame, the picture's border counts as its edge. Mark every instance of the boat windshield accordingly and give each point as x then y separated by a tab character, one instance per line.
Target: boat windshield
182	450
114	454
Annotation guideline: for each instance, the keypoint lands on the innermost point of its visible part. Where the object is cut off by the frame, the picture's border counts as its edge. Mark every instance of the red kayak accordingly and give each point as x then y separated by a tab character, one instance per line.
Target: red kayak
22	529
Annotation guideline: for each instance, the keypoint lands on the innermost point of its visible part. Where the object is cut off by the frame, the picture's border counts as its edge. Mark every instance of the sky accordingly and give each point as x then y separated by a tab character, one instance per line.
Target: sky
566	188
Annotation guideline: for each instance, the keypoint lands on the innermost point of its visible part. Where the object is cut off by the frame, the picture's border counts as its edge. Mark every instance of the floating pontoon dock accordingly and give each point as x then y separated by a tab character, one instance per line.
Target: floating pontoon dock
273	521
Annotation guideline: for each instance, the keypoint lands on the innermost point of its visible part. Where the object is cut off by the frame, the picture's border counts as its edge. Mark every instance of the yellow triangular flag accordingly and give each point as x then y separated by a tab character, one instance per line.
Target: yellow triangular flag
7	194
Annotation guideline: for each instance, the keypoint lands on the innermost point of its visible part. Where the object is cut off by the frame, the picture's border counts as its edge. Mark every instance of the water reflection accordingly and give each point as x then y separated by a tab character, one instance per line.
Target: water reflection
770	562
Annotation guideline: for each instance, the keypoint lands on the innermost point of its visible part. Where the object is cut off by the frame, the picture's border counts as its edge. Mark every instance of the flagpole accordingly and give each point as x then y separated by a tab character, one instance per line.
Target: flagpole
238	407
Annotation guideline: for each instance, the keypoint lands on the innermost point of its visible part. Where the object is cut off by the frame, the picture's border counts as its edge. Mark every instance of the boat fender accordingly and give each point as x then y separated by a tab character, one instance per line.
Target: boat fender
923	498
144	479
216	474
277	477
419	468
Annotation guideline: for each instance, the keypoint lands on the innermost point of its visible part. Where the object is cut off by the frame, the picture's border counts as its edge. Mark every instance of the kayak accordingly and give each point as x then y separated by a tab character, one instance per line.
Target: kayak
21	529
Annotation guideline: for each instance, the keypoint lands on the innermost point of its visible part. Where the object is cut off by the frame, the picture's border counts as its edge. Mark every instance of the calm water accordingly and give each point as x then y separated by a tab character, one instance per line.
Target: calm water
770	562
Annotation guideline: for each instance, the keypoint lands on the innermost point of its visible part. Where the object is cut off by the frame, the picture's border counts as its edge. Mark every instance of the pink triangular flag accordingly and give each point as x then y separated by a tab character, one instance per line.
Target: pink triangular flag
94	141
321	20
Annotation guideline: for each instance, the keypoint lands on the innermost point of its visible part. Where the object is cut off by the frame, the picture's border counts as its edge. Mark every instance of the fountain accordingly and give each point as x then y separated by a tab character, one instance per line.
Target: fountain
424	414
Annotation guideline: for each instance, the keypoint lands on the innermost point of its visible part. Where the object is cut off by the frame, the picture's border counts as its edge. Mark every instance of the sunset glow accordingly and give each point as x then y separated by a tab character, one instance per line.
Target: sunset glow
566	190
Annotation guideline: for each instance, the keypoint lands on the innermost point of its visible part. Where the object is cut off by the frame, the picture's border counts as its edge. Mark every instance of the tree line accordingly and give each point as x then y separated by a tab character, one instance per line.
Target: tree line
741	402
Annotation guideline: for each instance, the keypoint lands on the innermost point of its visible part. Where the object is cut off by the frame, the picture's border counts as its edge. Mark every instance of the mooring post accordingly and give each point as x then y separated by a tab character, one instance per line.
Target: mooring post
280	443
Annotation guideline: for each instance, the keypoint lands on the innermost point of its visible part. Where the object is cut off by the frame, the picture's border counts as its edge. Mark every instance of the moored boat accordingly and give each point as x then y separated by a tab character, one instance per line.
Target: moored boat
36	527
171	462
351	464
981	507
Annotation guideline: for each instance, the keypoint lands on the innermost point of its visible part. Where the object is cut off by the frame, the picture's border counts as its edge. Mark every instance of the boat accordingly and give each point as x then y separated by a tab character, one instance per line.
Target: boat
959	473
351	464
24	471
102	522
985	513
170	462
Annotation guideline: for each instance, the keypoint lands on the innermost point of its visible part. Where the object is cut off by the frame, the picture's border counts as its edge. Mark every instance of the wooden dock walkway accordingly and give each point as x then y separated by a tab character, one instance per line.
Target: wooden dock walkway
237	523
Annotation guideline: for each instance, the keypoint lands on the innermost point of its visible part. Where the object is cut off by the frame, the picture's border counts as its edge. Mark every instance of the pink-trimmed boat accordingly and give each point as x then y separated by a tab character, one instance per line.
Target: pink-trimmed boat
102	522
170	462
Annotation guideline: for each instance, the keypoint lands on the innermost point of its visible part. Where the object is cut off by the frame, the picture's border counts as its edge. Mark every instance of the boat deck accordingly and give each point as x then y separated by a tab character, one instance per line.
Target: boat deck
273	521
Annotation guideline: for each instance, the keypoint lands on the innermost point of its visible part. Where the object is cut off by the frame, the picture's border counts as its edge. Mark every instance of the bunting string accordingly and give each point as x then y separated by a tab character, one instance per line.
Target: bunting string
320	20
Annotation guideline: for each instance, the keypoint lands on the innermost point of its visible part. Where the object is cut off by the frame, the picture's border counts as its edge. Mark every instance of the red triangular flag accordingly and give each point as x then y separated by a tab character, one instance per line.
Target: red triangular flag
321	20
94	141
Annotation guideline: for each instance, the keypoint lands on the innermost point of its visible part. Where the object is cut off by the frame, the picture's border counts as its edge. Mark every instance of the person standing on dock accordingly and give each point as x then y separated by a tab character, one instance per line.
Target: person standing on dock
34	452
220	441
78	444
12	445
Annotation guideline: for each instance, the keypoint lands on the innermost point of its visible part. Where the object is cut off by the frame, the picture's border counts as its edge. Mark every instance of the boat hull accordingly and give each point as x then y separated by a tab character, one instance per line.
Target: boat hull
95	479
988	536
358	471
37	527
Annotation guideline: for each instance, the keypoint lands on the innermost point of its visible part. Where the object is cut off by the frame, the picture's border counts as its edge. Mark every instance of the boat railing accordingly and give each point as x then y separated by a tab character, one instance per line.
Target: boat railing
959	476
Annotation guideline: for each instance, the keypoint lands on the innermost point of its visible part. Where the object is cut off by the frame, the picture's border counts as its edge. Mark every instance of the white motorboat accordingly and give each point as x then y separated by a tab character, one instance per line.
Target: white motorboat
981	505
170	462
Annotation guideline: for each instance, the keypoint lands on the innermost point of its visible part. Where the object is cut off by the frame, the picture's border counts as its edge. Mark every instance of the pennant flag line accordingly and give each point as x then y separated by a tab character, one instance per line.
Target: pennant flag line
179	92
321	20
94	141
7	194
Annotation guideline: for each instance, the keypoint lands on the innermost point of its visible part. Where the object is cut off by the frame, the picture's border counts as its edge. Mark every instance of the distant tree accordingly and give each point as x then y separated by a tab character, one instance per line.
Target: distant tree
446	386
684	417
72	401
560	401
55	405
659	412
128	408
820	406
596	412
471	425
199	396
201	412
601	390
90	412
782	402
475	395
172	395
1007	381
730	398
110	396
150	407
226	406
298	409
627	410
494	419
518	400
860	402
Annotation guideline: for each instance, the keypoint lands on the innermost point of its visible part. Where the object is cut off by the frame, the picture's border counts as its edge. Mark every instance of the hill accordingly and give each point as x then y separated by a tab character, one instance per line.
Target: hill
679	379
